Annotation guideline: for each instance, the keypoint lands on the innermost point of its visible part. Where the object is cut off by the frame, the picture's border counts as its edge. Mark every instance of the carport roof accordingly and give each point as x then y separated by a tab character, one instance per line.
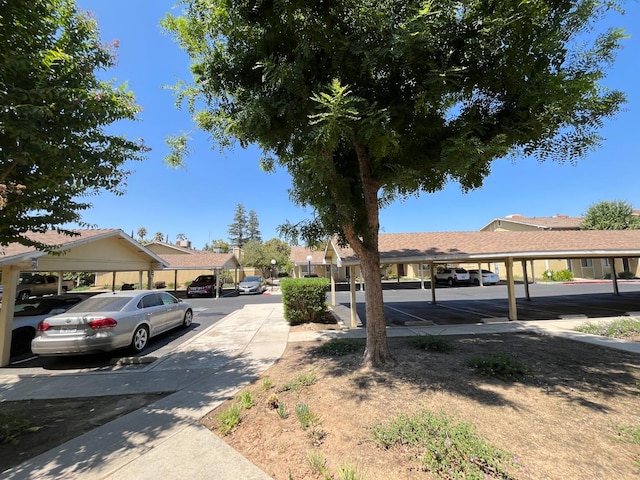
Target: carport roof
496	246
90	250
200	261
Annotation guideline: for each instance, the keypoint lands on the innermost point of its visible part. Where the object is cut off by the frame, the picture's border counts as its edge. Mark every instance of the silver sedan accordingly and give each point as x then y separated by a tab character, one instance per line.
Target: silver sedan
109	321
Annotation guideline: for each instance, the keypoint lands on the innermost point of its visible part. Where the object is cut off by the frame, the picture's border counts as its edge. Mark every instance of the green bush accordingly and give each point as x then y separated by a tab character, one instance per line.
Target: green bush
304	299
626	275
562	276
500	365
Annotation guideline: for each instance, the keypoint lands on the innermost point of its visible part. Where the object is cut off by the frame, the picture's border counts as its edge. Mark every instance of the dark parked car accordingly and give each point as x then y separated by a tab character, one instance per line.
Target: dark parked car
203	285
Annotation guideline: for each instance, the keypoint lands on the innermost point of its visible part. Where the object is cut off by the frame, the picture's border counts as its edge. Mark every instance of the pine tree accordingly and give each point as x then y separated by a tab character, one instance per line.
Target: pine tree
238	229
253	230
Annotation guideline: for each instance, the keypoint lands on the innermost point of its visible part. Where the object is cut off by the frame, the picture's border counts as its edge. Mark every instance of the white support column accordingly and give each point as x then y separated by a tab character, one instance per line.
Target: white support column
480	274
9	285
352	300
421	276
513	311
333	285
432	273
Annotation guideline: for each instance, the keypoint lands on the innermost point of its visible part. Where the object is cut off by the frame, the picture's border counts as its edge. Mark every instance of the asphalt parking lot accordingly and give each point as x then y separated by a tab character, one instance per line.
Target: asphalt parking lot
407	303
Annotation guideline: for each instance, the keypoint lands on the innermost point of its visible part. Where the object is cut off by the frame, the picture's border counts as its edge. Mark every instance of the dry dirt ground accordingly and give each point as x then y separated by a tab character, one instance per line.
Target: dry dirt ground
564	420
53	422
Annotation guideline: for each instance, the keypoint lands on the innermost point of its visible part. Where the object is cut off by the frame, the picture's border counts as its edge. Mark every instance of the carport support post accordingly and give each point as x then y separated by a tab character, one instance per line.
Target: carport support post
480	274
614	276
526	280
9	284
511	291
421	276
333	285
113	282
432	273
352	299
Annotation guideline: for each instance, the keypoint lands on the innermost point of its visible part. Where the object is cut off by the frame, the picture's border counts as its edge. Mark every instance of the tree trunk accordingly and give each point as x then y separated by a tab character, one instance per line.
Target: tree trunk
366	247
377	350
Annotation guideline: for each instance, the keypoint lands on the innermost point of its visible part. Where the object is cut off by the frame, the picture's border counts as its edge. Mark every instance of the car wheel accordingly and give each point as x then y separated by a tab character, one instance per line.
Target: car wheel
450	282
188	318
140	339
189	295
21	341
24	295
476	282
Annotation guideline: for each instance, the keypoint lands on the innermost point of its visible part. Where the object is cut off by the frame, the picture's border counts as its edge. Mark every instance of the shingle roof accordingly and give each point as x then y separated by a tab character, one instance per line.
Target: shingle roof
200	260
54	239
299	256
555	222
449	246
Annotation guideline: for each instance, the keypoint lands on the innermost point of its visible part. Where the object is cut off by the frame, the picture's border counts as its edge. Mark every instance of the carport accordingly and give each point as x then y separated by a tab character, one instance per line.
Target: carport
99	250
505	247
214	262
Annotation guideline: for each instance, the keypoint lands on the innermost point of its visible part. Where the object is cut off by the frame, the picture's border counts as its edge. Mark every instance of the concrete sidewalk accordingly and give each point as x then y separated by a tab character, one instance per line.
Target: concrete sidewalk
165	439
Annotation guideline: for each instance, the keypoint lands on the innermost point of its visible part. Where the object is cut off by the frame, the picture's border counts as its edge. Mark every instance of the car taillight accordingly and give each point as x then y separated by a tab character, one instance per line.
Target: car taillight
102	323
43	326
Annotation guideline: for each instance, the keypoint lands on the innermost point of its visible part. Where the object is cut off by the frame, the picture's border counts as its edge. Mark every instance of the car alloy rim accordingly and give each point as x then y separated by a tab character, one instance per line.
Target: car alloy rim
140	339
188	317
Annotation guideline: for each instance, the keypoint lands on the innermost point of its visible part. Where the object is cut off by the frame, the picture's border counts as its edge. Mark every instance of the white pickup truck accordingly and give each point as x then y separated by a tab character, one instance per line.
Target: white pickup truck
36	285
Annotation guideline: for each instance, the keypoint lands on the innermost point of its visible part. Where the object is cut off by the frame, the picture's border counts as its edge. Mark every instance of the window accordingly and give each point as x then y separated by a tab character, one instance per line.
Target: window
586	262
605	262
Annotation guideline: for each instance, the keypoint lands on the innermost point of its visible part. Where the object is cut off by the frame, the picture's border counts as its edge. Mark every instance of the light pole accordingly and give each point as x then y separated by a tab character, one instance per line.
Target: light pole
273	265
309	258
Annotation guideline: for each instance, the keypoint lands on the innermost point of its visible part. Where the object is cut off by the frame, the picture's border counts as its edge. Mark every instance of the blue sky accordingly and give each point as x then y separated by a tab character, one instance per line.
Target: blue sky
199	201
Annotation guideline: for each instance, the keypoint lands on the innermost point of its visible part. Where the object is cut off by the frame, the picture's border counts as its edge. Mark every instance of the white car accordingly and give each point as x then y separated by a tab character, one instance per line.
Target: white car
452	276
109	321
29	313
488	277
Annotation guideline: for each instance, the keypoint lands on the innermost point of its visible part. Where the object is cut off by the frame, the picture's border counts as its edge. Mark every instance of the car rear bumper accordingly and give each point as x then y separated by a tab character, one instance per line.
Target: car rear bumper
50	345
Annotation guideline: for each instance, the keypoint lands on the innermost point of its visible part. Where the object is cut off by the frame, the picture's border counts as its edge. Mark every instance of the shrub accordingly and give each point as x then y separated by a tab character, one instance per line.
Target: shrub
306	417
246	399
304	299
500	365
229	419
446	448
626	275
619	328
340	346
562	276
299	382
432	342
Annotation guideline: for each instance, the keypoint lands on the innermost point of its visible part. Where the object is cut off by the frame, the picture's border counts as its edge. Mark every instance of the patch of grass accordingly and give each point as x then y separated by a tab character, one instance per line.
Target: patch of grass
267	383
432	343
628	433
13	426
618	328
306	417
246	399
500	365
301	381
282	411
229	419
348	471
337	347
318	464
448	449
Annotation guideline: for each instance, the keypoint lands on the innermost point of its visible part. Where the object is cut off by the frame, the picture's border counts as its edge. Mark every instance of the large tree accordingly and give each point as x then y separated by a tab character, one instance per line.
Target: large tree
368	101
610	215
54	110
253	227
238	228
261	255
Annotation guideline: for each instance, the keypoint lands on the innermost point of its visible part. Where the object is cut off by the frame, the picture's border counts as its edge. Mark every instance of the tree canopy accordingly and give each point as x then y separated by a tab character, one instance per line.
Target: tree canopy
54	147
611	215
238	228
365	102
260	255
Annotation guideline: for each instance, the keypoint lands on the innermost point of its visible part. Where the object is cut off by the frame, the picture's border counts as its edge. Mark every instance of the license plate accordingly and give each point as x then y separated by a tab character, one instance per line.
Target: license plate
67	329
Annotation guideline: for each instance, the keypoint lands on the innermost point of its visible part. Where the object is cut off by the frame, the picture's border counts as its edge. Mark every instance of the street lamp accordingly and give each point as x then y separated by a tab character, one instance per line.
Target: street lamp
309	258
273	265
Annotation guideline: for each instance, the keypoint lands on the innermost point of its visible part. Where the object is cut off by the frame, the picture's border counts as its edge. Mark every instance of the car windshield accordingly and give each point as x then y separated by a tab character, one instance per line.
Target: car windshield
204	278
251	279
101	304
